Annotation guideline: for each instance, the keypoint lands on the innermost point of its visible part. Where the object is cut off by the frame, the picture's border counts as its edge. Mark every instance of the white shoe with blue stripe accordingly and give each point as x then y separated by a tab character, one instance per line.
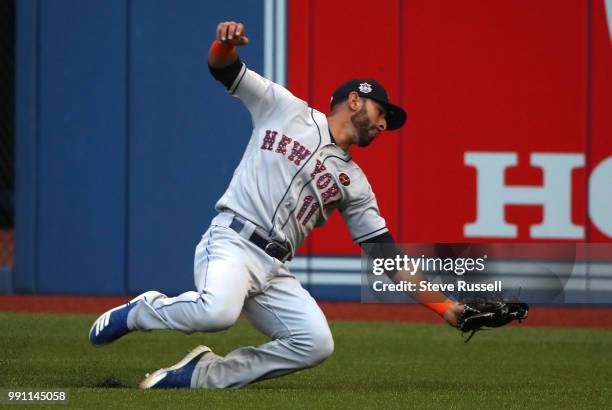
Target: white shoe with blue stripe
111	325
179	375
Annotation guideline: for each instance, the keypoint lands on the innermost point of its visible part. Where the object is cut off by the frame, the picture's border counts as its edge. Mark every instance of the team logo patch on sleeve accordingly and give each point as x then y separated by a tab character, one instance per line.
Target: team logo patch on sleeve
344	179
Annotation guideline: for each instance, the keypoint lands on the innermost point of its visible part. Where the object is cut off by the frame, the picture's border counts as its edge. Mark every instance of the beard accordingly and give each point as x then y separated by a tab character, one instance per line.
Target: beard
363	126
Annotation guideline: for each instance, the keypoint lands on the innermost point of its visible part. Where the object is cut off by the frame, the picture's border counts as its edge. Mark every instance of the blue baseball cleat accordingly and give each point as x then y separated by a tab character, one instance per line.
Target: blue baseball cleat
179	375
112	325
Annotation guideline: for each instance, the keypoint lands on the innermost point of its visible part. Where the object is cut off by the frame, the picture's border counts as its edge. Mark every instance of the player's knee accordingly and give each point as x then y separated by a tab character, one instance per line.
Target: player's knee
216	318
319	346
324	347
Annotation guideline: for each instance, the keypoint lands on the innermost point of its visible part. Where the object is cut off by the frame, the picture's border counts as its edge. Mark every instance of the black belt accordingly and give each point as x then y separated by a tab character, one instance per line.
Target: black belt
275	249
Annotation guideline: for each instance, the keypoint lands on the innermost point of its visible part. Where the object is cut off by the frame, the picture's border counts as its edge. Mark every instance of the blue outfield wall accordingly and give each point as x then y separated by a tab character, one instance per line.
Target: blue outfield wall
124	141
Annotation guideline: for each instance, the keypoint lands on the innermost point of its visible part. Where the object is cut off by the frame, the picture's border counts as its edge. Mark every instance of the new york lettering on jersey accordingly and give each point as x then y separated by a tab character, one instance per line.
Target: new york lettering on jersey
322	188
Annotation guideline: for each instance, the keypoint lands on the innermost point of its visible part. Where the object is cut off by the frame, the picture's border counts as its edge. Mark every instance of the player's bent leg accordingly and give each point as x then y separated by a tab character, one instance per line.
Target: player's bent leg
300	333
189	312
188	373
222	281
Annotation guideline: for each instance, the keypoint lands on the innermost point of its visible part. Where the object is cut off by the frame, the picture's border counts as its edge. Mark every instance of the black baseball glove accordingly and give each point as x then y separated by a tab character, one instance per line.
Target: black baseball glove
483	313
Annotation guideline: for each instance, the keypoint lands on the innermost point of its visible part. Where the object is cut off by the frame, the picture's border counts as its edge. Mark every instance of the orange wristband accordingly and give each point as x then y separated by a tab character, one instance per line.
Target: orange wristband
439	307
222	50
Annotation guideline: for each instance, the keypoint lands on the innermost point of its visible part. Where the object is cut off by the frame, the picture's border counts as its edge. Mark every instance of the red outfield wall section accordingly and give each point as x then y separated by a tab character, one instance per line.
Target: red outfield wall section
505	76
539	316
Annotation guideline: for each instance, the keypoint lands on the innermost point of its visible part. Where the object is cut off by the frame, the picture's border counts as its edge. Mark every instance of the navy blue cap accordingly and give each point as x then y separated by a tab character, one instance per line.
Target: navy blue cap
370	88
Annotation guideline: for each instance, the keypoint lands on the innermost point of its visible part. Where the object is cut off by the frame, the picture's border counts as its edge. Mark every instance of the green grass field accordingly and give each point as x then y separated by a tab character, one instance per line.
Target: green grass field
375	365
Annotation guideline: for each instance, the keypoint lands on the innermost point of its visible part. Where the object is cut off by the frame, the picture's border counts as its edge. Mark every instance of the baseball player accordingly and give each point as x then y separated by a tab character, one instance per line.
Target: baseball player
296	170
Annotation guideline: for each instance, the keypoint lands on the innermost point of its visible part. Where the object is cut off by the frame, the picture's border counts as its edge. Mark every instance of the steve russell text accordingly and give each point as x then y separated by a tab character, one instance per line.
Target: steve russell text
424	285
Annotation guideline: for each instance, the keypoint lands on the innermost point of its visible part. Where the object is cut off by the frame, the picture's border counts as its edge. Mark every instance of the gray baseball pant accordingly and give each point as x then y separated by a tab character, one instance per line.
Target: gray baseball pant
232	275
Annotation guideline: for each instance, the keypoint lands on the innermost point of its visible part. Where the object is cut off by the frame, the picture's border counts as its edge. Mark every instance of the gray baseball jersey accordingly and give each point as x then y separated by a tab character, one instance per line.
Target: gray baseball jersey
292	175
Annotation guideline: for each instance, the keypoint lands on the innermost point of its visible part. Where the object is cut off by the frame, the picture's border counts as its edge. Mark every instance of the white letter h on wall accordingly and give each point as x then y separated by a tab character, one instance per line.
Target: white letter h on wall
555	195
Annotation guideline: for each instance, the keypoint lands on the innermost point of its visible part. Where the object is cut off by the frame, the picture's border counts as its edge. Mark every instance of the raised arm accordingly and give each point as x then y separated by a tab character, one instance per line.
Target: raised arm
261	96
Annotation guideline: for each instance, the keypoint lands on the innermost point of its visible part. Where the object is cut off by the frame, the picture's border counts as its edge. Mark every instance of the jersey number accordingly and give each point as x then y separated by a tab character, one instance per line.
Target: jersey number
314	206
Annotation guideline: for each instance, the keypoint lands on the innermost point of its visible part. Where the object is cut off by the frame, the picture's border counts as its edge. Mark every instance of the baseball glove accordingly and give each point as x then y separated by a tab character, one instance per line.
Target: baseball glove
483	313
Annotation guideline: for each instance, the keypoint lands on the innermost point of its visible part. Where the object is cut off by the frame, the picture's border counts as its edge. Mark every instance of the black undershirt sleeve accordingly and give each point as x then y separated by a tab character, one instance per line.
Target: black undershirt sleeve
381	246
227	75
